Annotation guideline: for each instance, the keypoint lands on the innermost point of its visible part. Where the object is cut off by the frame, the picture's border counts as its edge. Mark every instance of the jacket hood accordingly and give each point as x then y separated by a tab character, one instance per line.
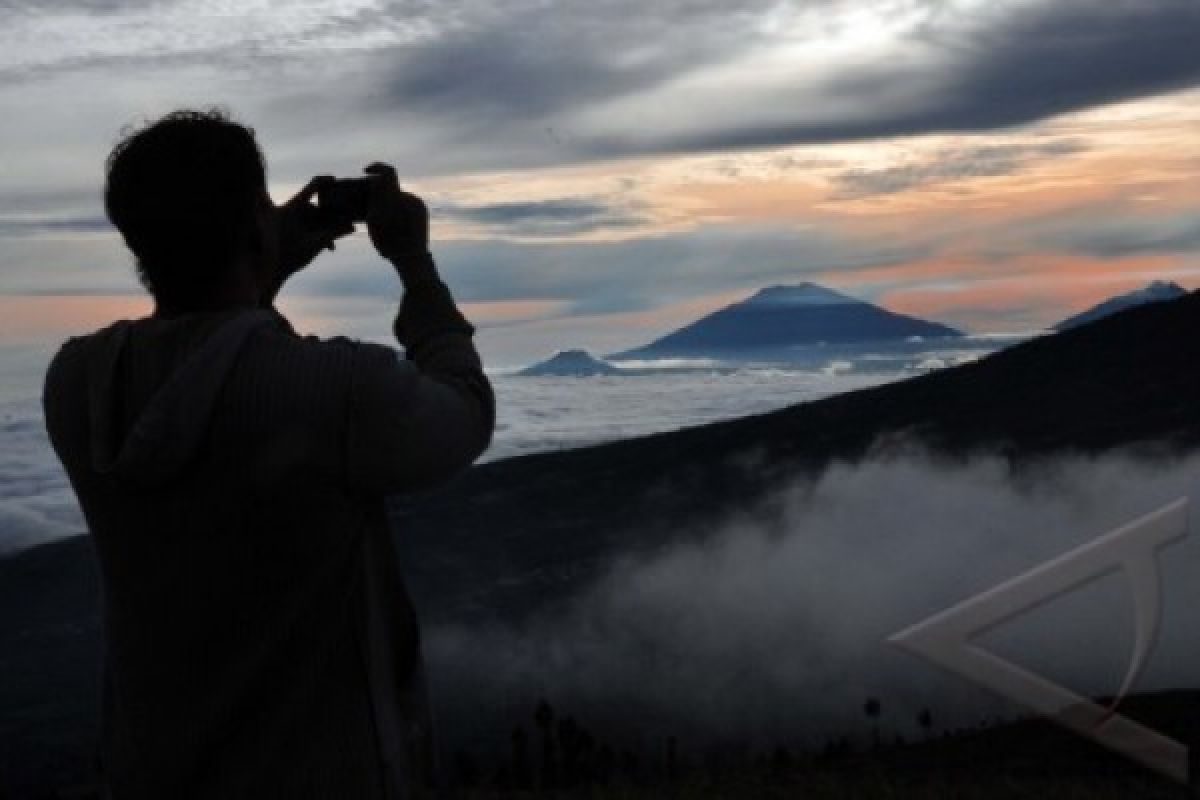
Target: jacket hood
166	433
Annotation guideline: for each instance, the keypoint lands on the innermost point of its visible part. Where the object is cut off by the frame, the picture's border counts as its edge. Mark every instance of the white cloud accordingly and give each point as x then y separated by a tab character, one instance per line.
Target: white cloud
72	35
36	500
773	626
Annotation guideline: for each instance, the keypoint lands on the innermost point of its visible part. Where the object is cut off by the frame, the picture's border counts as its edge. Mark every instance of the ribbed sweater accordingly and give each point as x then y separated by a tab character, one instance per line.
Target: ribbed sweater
259	641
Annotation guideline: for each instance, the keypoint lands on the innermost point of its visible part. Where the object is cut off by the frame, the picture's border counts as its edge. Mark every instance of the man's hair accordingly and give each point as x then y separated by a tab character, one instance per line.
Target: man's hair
182	190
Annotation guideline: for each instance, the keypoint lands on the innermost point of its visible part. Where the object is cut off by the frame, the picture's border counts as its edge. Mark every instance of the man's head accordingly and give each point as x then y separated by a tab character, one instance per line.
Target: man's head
188	193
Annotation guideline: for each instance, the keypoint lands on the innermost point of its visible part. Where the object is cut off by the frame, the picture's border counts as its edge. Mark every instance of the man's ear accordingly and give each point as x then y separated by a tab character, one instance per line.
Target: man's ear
265	233
264	239
263	223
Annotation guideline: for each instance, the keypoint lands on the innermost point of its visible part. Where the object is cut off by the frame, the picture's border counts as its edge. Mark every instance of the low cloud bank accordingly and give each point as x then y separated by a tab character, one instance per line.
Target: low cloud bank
36	501
772	629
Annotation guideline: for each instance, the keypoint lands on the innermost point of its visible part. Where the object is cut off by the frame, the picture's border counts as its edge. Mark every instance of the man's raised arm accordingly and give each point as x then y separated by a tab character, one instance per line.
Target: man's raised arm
415	422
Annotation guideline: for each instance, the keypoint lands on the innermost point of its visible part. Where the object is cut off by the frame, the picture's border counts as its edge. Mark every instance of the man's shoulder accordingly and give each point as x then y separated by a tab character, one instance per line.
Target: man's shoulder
284	339
80	342
75	349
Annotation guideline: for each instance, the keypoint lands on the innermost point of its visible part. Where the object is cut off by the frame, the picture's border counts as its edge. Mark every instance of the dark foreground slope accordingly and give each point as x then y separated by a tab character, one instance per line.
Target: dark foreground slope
1025	759
517	534
1154	292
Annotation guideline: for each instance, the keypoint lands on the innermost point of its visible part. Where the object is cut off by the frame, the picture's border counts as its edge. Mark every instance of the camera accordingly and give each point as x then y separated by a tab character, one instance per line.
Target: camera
344	200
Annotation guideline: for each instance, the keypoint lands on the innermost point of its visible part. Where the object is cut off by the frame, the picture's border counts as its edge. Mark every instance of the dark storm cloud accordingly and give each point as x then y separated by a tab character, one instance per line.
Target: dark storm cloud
1072	54
532	60
1009	68
559	217
950	165
509	73
519	69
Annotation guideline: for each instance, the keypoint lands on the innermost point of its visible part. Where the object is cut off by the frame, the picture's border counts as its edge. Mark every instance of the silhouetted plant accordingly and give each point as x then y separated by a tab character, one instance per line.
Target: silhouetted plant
522	770
606	763
872	708
925	720
781	760
543	715
672	759
466	769
630	765
587	756
502	780
568	745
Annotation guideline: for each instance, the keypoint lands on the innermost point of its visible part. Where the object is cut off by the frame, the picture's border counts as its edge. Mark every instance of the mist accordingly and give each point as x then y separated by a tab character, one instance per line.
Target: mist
769	627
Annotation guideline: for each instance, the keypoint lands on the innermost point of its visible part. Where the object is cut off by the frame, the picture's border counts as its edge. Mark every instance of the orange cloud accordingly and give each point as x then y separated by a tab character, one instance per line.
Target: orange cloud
1034	292
749	201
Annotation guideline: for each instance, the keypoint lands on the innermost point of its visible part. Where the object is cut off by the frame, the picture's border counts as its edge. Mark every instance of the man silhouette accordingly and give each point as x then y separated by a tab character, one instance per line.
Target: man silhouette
259	642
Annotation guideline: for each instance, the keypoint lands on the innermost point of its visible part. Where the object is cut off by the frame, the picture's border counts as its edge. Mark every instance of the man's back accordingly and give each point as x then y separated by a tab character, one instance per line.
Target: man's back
259	639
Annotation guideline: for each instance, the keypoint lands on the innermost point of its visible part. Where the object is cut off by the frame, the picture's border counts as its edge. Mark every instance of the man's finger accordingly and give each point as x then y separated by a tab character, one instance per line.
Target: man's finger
338	231
311	188
329	235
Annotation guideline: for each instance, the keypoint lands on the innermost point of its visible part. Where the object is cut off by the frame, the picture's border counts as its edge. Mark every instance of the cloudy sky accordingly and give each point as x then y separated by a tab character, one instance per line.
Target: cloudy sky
603	171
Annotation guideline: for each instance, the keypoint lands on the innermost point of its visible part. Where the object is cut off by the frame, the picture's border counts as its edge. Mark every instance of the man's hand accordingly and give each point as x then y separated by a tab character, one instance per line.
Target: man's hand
303	231
397	221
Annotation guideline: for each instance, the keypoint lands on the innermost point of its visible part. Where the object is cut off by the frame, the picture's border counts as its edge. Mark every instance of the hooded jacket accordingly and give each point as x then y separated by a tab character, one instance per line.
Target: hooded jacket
259	641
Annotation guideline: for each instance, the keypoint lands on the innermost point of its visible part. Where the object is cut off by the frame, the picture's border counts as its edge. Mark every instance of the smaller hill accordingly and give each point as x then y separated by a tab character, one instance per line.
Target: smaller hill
1156	292
571	363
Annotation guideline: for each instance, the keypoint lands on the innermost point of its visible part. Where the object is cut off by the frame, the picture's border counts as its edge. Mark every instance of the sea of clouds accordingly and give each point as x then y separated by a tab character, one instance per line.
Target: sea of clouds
775	632
533	414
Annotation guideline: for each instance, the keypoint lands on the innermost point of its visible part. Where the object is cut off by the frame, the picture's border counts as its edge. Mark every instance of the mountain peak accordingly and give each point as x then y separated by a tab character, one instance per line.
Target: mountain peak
1161	289
571	362
1153	292
799	294
780	322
